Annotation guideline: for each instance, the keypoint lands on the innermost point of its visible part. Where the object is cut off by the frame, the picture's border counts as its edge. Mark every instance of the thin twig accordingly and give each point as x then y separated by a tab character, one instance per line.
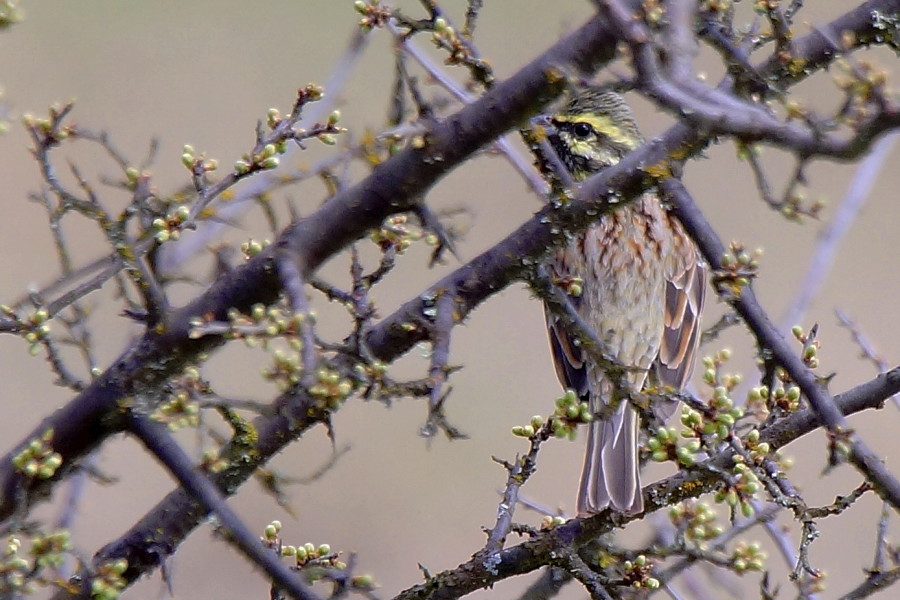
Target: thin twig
157	439
830	239
866	347
868	463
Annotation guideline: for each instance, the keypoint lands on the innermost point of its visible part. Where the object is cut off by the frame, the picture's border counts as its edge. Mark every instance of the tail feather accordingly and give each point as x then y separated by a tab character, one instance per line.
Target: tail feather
611	473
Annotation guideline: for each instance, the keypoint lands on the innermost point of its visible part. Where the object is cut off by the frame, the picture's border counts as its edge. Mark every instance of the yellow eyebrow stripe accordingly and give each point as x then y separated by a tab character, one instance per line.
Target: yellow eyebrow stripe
602	124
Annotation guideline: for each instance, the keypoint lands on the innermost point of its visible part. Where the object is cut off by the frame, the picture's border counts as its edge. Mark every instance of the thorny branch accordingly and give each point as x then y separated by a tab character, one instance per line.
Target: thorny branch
747	306
533	554
404	179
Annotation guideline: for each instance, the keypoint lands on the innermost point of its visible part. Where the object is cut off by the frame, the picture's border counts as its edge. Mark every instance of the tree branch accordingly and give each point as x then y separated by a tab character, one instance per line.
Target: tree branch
89	418
523	558
772	342
82	424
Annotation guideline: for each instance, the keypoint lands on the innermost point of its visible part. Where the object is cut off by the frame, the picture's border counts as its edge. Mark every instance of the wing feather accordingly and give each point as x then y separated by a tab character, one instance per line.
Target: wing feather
568	356
685	295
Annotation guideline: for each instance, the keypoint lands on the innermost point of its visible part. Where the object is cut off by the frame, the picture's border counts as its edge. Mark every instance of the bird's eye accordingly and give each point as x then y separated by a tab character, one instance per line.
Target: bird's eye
582	130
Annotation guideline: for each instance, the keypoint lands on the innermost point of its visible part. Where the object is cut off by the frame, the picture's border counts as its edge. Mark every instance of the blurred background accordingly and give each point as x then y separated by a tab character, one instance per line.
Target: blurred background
203	73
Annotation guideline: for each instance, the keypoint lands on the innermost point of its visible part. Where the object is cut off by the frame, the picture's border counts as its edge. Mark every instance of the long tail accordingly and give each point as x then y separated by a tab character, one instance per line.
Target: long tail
611	474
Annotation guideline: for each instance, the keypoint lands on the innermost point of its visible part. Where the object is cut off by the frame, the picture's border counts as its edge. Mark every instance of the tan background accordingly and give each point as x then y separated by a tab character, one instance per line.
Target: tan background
202	73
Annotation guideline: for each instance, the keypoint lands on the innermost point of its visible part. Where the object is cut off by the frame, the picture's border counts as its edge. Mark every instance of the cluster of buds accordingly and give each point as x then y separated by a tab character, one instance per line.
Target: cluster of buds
265	159
797	205
326	136
273	118
324	133
50	550
654	12
181	409
285	369
169	228
446	37
758	450
697	520
741	490
330	387
259	326
862	82
50	131
757	402
252	247
309	93
15	569
374	15
528	431
570	412
20	573
194	163
212	461
637	573
35	327
314	560
747	557
371	372
458	52
303	555
719	419
108	581
738	268
713	376
133	175
782	399
37	458
810	352
795	110
551	521
663	446
308	552
395	234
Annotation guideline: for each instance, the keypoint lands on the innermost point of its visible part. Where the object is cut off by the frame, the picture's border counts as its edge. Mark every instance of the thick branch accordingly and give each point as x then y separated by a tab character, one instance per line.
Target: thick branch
533	554
158	440
768	337
89	418
177	514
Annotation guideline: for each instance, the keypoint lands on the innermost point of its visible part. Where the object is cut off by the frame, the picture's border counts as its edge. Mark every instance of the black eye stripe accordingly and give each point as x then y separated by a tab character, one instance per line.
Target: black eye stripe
579	129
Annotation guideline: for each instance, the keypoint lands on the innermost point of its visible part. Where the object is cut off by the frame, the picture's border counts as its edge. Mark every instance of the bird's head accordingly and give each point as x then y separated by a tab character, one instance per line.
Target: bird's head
593	131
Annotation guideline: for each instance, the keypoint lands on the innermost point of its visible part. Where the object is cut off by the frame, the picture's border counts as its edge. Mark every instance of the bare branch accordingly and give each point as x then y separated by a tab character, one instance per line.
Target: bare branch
768	337
830	238
160	443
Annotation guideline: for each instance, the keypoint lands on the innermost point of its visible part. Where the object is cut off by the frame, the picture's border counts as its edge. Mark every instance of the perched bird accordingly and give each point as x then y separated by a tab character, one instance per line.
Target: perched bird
643	288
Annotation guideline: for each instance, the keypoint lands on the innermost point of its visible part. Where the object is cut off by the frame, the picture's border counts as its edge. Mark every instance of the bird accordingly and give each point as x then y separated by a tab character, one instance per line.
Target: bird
642	288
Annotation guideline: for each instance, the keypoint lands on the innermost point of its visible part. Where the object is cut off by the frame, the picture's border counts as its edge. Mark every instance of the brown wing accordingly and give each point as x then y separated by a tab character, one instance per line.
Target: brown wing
685	294
568	357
